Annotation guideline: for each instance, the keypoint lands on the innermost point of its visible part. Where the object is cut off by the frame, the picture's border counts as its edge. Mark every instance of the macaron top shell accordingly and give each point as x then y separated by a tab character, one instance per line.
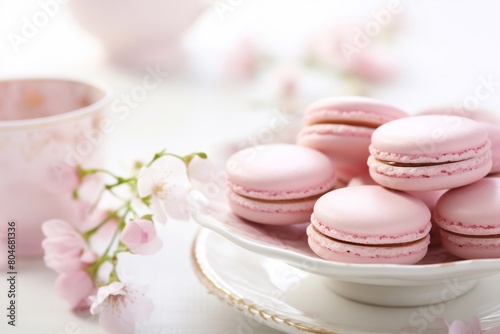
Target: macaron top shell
474	114
471	210
356	109
429	139
371	215
280	171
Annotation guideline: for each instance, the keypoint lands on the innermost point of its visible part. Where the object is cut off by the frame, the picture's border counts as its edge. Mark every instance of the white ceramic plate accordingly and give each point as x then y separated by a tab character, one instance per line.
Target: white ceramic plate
427	279
294	301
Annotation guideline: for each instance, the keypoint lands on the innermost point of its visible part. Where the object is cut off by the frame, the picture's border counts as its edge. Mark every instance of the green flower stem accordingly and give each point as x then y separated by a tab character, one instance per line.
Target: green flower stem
113	214
112	192
186	159
113	276
131	209
156	157
123	213
99	197
104	257
85	172
120	181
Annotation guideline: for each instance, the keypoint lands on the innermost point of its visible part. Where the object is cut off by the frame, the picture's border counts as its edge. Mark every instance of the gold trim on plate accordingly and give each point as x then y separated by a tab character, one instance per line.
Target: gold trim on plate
242	305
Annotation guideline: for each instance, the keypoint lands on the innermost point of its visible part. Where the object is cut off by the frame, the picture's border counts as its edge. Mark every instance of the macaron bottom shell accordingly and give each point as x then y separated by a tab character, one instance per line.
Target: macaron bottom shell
346	141
471	247
427	178
345	145
334	250
271	212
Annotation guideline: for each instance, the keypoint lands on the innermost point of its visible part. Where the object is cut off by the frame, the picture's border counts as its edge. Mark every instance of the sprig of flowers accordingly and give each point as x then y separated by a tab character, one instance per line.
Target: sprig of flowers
88	277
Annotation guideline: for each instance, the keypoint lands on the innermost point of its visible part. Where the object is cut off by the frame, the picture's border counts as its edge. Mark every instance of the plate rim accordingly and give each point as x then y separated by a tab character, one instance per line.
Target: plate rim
207	273
241	304
401	273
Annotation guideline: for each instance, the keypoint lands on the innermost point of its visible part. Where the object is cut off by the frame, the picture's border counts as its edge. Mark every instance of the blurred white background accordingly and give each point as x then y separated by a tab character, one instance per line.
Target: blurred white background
444	45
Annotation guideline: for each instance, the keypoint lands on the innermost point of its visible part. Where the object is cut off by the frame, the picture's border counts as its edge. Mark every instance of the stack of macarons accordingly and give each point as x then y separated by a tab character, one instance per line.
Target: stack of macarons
278	183
341	128
469	218
399	170
369	224
430	152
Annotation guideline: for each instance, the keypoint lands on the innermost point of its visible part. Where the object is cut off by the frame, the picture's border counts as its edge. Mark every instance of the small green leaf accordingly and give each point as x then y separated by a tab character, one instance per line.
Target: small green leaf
147	217
146	200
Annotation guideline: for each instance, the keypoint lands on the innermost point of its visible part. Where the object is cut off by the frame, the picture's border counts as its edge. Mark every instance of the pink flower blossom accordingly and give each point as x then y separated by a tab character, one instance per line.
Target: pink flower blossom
75	287
65	249
139	235
242	60
336	49
374	65
284	81
201	171
458	327
120	306
472	326
326	46
63	178
208	182
165	182
91	218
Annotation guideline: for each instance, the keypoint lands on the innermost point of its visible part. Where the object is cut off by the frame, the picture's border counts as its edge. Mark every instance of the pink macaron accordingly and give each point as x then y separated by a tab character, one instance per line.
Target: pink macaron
493	131
277	184
369	224
429	153
429	198
469	218
341	128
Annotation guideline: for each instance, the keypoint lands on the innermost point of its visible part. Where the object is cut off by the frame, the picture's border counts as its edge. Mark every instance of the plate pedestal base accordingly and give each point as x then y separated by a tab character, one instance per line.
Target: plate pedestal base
401	296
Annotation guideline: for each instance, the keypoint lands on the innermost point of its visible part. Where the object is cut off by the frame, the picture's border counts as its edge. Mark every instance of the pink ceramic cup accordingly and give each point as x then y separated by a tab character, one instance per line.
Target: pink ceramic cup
47	126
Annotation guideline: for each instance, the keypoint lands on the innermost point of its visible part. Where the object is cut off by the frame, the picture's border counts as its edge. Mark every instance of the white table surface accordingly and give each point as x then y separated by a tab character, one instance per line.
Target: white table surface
444	54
